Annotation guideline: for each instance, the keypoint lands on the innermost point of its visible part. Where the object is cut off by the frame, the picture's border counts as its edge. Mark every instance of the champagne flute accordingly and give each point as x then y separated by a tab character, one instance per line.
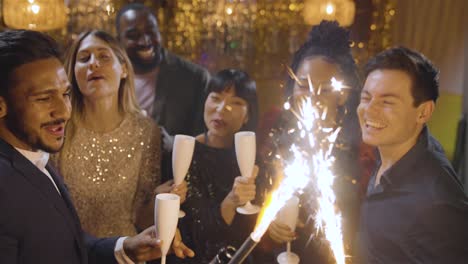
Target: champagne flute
166	216
245	154
182	153
288	215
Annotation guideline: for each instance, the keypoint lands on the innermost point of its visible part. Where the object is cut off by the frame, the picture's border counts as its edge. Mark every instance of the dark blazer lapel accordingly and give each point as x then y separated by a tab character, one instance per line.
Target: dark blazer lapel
41	182
160	98
68	202
63	190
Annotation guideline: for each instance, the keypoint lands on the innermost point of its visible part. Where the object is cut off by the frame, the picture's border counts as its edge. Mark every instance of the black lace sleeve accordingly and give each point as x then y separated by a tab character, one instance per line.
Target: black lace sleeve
210	179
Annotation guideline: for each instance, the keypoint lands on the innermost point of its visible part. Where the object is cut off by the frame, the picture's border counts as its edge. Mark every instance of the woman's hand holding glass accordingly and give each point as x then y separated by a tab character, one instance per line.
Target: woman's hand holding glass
243	190
282	233
170	187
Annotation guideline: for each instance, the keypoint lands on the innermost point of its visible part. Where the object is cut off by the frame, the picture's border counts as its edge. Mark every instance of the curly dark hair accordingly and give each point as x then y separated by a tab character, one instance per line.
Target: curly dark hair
331	41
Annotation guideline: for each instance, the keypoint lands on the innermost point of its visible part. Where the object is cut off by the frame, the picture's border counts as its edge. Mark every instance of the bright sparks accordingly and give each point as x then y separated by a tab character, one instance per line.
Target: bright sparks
326	217
310	167
337	85
297	176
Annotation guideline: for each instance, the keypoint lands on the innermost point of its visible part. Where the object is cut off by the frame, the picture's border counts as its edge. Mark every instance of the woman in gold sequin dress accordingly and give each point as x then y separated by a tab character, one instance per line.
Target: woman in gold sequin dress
111	156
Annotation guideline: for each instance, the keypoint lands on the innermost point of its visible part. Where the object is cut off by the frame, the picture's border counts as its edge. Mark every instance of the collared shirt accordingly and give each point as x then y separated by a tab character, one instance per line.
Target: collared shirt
418	213
40	159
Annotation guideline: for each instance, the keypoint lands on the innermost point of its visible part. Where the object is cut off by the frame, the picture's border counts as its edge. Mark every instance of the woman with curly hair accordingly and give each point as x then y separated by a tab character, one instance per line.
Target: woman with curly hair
325	55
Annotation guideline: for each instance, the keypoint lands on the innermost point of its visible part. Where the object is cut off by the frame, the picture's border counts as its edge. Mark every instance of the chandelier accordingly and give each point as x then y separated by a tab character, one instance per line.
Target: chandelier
34	14
340	10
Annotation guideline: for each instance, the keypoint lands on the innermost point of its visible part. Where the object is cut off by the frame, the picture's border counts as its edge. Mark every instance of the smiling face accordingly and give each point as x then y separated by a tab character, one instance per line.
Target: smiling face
37	107
387	114
98	71
320	71
139	35
225	113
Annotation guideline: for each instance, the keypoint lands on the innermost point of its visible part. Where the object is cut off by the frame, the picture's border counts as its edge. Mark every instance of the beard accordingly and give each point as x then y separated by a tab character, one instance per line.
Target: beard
27	135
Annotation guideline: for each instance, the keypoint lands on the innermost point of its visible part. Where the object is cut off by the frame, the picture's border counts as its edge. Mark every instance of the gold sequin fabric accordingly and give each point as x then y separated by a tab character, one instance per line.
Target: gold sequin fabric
111	175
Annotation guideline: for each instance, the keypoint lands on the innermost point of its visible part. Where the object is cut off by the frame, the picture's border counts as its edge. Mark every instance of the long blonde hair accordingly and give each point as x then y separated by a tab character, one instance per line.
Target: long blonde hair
127	102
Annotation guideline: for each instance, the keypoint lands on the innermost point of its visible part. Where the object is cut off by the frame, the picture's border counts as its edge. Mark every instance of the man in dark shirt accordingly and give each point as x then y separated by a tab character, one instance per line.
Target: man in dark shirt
171	89
415	210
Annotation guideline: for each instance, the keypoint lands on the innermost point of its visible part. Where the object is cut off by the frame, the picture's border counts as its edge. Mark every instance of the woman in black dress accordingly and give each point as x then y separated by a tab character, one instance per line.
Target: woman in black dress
215	188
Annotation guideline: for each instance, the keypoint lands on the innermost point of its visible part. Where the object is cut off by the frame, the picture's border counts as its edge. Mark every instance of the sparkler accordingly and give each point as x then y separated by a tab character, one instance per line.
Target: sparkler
296	174
312	166
327	219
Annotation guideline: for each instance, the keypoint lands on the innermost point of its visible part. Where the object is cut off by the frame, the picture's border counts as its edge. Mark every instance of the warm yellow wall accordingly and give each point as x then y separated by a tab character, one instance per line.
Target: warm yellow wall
443	124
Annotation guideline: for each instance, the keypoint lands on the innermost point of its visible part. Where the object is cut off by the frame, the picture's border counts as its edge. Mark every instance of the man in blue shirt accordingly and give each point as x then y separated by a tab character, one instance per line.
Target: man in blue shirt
415	210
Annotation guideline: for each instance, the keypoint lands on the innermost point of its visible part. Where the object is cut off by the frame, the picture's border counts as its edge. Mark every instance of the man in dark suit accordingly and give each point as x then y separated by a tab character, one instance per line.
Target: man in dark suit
38	222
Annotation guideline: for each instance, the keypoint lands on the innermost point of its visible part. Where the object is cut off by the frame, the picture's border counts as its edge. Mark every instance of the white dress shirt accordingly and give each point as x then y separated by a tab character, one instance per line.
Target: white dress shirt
40	159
